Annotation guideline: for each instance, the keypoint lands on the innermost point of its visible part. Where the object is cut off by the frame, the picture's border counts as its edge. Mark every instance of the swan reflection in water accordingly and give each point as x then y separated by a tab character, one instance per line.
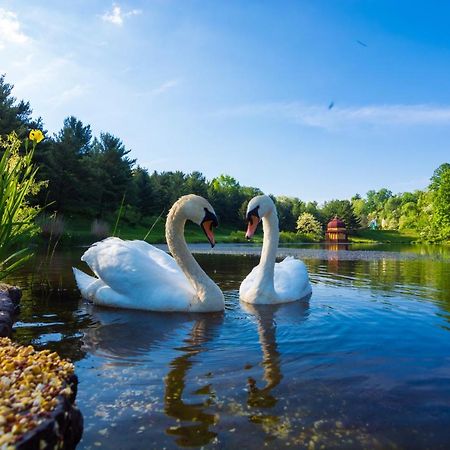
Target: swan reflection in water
129	337
175	383
146	343
267	317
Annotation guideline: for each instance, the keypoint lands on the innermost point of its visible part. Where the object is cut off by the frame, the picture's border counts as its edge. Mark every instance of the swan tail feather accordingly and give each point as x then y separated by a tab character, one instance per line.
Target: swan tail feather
86	284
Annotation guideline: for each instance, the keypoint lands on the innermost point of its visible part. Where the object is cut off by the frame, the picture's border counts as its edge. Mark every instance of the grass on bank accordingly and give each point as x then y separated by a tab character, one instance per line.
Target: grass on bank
80	231
384	236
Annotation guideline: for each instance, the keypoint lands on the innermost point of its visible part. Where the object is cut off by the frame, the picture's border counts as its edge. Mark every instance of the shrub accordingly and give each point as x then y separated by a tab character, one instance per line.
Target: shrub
237	236
308	225
290	237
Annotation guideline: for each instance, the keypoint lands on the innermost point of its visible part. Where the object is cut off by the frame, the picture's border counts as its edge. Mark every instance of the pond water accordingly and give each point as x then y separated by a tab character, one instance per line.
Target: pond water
363	363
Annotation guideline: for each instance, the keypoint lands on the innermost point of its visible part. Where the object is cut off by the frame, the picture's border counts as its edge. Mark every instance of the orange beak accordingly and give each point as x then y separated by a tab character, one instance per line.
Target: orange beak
207	226
252	226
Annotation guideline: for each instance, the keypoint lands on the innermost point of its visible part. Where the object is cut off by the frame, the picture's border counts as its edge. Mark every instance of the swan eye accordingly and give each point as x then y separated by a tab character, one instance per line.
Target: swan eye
210	217
253	212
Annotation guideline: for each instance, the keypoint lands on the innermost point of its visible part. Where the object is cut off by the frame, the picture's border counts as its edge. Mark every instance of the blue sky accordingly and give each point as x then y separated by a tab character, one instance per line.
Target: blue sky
244	87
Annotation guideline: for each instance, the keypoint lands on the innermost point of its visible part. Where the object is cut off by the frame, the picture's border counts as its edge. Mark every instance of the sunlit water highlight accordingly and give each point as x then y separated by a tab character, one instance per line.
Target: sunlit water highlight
363	363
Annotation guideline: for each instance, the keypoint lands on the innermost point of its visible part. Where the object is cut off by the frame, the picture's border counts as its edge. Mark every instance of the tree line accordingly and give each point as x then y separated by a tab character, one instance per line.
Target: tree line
95	176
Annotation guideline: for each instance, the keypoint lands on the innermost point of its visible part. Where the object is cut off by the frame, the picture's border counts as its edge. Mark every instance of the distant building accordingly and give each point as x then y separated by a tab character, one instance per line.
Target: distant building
336	231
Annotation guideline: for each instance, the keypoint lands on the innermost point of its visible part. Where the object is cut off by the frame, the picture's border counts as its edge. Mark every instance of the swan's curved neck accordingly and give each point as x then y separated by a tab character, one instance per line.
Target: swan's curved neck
269	249
208	293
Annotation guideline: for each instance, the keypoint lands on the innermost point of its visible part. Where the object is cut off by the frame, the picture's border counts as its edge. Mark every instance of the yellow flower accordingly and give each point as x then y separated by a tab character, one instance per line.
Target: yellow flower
36	136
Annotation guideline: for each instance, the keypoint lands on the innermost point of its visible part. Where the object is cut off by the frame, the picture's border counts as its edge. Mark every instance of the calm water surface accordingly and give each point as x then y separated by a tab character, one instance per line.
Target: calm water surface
363	363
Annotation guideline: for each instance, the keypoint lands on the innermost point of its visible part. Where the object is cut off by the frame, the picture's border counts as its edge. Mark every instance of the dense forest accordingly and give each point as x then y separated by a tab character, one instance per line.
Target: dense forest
95	176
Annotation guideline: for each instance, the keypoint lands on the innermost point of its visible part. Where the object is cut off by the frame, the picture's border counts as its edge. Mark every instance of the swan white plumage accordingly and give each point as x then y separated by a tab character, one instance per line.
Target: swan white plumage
270	282
137	275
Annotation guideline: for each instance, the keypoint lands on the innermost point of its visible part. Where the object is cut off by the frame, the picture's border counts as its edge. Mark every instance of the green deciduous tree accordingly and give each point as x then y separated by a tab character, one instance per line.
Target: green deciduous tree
440	187
360	210
288	208
226	195
343	209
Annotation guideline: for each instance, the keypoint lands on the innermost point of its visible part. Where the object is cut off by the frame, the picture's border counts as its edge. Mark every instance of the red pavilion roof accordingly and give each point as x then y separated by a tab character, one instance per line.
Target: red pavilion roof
336	223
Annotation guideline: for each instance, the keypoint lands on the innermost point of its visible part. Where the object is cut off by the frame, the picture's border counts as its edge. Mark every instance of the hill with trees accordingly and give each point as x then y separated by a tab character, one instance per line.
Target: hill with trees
93	177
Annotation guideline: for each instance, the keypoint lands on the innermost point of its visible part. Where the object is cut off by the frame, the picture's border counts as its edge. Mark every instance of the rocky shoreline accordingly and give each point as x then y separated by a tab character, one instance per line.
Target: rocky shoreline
63	428
9	308
63	425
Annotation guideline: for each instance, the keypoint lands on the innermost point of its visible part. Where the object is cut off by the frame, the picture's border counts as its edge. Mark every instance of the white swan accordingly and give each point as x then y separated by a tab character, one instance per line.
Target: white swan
136	275
270	282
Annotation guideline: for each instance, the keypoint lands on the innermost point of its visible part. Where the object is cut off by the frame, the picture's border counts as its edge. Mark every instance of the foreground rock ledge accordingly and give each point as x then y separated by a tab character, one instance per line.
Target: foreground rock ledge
9	308
37	395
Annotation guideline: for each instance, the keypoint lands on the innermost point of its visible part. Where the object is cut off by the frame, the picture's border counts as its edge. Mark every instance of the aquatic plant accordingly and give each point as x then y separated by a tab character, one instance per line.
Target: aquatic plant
52	226
17	184
100	229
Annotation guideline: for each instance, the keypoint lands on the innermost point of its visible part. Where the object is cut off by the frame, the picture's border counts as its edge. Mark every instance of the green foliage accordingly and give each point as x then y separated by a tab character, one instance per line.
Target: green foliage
230	199
144	191
359	209
386	236
440	187
288	208
86	177
17	184
112	178
237	236
375	200
288	237
308	225
439	176
14	116
70	178
343	209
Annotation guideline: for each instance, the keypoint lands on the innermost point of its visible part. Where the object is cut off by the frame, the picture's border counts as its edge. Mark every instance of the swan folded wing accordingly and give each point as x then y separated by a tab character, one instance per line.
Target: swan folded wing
156	254
135	266
291	280
249	282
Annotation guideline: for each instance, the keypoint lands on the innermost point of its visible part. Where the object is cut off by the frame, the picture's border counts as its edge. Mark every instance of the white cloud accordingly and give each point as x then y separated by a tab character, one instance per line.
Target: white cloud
116	16
69	94
340	117
164	87
45	75
10	29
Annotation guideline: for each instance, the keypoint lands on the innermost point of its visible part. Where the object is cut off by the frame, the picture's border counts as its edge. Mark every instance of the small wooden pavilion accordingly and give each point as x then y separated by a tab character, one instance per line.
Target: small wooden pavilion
336	231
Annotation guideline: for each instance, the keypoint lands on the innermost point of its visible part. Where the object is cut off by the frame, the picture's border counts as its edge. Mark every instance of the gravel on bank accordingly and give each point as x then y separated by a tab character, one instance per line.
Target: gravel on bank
308	253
